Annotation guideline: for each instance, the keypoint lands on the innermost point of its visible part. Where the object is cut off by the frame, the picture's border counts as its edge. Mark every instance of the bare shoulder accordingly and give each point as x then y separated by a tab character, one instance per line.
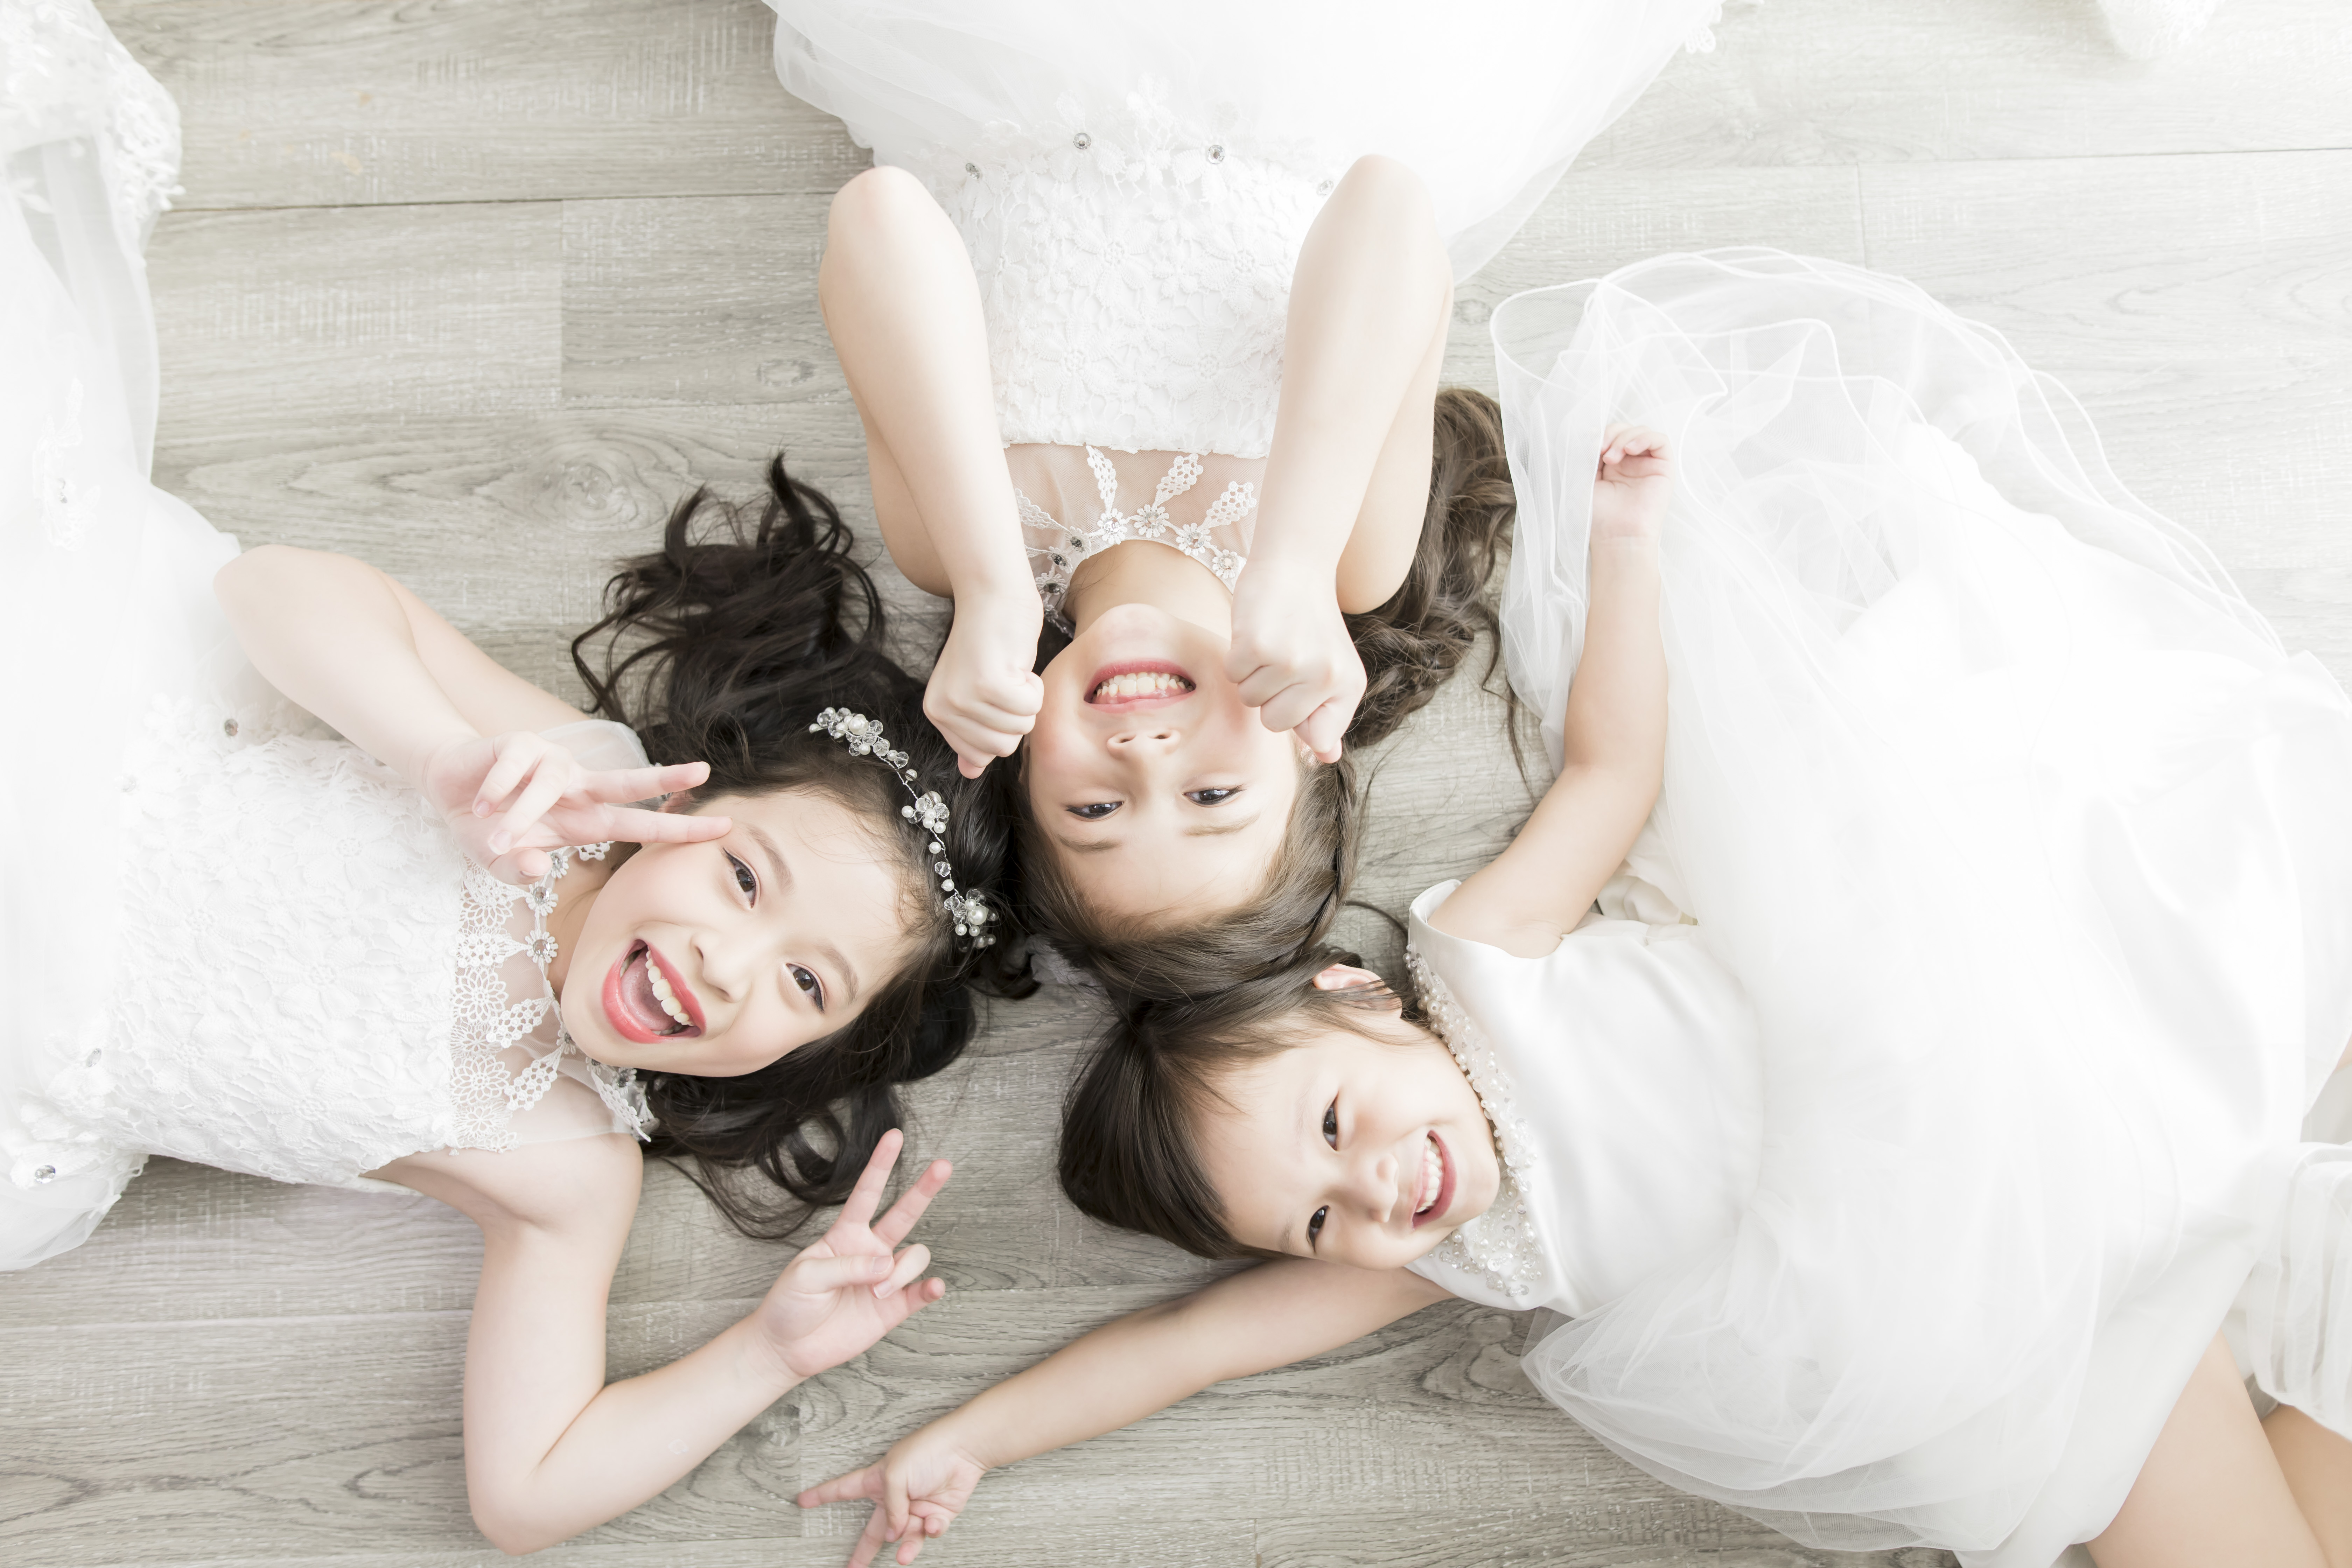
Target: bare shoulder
579	1185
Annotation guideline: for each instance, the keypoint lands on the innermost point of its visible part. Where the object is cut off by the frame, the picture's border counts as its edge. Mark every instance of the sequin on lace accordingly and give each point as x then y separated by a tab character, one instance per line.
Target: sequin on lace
1499	1246
1056	550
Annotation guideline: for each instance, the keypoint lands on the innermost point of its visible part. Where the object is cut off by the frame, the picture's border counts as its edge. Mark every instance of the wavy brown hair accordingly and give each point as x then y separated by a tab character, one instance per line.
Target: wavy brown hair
1410	646
721	646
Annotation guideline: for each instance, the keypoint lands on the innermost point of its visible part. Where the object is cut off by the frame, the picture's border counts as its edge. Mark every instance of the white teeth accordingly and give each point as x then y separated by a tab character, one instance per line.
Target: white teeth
1140	683
664	995
1432	1175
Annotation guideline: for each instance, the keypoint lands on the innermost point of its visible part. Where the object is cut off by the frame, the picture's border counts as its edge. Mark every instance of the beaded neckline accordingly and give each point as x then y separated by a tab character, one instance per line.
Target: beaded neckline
1053	564
489	1021
1499	1246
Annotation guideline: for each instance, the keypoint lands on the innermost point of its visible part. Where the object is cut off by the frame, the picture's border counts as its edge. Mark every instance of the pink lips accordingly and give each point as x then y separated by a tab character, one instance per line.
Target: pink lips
644	1021
1444	1199
1134	704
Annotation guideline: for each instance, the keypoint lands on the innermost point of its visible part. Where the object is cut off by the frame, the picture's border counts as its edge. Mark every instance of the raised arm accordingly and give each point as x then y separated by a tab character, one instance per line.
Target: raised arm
550	1447
1253	1322
354	647
1614	734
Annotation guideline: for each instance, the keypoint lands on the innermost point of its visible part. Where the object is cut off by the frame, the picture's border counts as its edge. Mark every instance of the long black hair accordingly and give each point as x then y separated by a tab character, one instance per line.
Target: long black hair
722	646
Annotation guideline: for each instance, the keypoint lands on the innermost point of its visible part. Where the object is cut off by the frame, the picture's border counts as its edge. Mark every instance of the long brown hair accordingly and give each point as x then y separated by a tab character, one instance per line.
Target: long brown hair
1410	646
1129	1150
721	646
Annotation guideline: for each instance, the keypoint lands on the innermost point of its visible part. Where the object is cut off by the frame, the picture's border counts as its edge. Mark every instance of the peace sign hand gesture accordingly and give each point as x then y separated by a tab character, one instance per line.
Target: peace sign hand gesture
851	1286
510	798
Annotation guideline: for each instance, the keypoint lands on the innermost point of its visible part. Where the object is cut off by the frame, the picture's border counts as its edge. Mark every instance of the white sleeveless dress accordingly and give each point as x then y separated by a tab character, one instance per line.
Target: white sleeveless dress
229	938
1134	184
1953	1058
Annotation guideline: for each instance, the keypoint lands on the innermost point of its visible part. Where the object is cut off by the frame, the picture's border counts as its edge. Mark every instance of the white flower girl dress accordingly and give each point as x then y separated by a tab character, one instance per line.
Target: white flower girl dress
233	938
1953	1058
1134	184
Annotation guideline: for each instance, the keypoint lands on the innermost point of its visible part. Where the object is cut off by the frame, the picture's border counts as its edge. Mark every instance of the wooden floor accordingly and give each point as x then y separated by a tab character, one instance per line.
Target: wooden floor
476	288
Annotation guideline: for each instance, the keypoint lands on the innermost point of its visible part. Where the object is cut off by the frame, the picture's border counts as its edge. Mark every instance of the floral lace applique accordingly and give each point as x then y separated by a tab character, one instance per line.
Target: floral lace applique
1134	267
1056	550
488	1021
1499	1246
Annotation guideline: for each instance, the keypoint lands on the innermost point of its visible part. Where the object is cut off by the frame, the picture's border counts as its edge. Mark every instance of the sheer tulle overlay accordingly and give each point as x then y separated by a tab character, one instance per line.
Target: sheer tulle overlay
2032	850
1134	182
229	937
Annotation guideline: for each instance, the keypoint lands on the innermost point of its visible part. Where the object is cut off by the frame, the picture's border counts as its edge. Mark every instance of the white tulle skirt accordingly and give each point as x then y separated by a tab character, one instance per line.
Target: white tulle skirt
1488	100
2033	847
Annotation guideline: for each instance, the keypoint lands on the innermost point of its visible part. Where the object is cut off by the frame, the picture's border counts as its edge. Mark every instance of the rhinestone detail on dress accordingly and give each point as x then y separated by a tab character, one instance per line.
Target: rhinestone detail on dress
1052	562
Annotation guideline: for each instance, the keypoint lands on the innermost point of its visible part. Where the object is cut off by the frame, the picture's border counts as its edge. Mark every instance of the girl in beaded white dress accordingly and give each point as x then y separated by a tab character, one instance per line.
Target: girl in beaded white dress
1925	1116
1144	311
237	940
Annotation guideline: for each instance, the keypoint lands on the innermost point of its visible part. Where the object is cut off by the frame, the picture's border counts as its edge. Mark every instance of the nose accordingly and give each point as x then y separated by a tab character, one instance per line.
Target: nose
1374	1186
1156	740
725	964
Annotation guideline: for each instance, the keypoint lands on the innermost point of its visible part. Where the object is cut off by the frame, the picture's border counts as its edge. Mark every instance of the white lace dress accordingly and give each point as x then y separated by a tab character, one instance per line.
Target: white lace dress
1953	1060
1134	182
229	939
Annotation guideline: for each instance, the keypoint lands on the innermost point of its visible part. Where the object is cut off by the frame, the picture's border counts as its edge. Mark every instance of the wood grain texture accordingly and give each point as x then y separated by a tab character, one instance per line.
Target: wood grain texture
478	289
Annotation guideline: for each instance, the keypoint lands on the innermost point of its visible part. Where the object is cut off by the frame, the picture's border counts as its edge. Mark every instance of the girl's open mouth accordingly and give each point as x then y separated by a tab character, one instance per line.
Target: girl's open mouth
1437	1192
1127	686
646	1001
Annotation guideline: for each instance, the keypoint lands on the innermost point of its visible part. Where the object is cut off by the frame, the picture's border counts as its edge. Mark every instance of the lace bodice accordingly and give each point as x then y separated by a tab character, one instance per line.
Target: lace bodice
313	980
1134	268
1217	537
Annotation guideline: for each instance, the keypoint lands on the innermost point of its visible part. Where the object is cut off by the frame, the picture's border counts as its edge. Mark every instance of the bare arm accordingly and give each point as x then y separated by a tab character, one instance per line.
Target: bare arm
1346	478
1614	732
550	1447
903	307
362	652
1253	1322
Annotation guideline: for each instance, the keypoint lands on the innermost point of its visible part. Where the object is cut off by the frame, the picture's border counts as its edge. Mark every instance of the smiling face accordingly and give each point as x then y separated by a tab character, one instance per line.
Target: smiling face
1156	786
1355	1151
715	959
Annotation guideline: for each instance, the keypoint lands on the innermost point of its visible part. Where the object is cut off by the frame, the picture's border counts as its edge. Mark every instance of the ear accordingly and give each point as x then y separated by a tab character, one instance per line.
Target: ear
1341	976
683	801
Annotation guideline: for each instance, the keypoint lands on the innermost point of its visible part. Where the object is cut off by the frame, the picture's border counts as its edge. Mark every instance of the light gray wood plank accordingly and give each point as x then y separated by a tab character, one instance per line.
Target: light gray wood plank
343	102
315	319
1828	82
696	299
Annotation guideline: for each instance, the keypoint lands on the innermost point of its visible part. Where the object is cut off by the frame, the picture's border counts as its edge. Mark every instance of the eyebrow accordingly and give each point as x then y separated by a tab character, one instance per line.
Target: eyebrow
775	856
1098	846
825	951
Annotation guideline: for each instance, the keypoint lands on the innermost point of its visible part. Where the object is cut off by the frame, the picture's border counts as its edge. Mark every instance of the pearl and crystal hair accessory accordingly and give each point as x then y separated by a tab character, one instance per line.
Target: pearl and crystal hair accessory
862	736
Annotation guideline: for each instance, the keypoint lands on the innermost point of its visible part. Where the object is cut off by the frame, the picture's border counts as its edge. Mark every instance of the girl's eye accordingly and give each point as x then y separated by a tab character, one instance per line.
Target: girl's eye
1315	1226
808	983
1211	797
1331	1124
744	880
1095	812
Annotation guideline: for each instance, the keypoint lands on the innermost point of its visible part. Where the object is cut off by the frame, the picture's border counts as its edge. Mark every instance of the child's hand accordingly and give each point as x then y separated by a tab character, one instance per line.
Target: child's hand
510	798
983	696
1293	658
851	1286
1631	486
918	1487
